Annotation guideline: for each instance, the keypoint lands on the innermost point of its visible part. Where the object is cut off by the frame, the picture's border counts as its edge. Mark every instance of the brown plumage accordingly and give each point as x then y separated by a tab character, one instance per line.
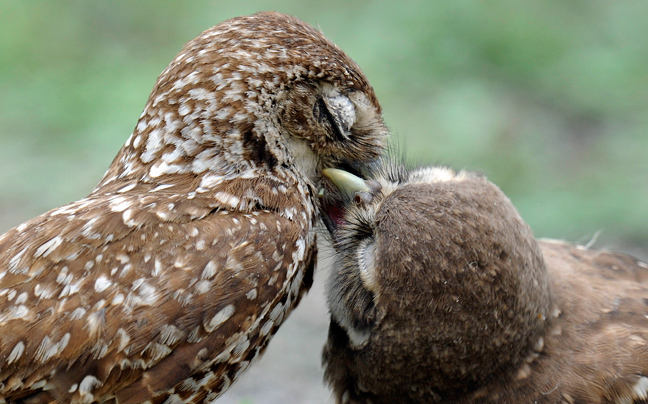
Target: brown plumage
441	294
170	277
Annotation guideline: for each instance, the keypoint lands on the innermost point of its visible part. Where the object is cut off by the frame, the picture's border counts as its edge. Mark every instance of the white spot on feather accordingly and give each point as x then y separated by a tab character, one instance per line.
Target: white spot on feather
118	299
265	329
157	351
48	247
242	346
220	318
13	263
48	349
170	334
96	322
86	386
162	187
184	108
278	309
227	199
157	267
209	271
124	339
86	231
16	353
119	204
22	298
162	214
127	187
162	167
641	388
203	287
78	313
154	144
71	288
127	218
43	292
102	283
148	295
14	312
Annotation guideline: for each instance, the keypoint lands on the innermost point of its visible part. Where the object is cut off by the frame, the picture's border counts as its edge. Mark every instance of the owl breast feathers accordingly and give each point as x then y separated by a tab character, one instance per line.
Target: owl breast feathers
440	293
170	277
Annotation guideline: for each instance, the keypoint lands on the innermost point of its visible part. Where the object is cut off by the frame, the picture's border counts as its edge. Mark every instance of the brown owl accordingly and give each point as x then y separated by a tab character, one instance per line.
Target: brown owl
441	294
169	279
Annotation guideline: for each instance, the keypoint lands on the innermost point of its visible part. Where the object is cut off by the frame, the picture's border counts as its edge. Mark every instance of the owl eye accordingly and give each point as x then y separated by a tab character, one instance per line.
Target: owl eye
362	198
337	112
366	196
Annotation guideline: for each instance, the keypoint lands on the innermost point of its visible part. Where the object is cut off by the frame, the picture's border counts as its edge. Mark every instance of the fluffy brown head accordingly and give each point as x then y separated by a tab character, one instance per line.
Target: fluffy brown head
169	279
439	288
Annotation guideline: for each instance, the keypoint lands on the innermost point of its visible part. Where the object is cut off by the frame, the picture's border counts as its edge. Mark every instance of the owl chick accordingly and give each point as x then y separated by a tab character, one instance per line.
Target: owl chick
441	294
172	275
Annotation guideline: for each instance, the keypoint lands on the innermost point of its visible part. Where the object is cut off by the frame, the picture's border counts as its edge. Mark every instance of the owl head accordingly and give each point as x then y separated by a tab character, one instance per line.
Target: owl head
265	94
438	284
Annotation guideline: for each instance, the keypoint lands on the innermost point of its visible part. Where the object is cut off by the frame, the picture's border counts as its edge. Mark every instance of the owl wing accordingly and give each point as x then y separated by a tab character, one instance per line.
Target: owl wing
106	297
601	339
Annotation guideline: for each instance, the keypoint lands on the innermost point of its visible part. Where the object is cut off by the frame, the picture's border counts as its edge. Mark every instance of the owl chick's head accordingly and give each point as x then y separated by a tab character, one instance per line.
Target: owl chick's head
255	95
439	285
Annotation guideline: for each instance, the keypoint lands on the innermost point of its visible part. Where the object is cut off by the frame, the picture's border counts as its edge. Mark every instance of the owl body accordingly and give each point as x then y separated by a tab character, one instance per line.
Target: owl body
169	279
441	294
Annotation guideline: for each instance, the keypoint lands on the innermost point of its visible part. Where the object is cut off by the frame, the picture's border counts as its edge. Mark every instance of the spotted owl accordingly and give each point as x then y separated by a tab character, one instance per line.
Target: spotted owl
441	294
169	279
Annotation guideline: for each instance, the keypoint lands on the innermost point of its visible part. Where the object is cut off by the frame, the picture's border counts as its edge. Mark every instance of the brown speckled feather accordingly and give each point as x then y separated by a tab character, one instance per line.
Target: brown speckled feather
169	279
441	294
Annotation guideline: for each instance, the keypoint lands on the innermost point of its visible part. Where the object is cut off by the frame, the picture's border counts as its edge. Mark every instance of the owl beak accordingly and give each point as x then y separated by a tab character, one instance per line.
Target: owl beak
348	184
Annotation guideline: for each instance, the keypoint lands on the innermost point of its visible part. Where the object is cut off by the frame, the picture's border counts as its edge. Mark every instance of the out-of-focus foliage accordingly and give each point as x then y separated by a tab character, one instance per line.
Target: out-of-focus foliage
549	99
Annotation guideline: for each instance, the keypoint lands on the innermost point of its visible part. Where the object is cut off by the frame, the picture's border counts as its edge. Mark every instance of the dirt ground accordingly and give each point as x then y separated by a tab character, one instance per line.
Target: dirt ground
290	371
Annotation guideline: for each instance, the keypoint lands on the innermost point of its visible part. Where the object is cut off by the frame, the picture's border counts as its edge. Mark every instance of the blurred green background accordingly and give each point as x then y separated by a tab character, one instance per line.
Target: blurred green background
549	99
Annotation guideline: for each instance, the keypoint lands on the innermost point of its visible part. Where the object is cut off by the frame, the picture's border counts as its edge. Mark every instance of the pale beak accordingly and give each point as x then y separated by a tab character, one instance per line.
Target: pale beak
348	184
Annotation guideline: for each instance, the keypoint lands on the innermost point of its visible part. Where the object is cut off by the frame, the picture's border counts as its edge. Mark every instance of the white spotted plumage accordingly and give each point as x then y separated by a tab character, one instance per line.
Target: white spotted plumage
168	280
